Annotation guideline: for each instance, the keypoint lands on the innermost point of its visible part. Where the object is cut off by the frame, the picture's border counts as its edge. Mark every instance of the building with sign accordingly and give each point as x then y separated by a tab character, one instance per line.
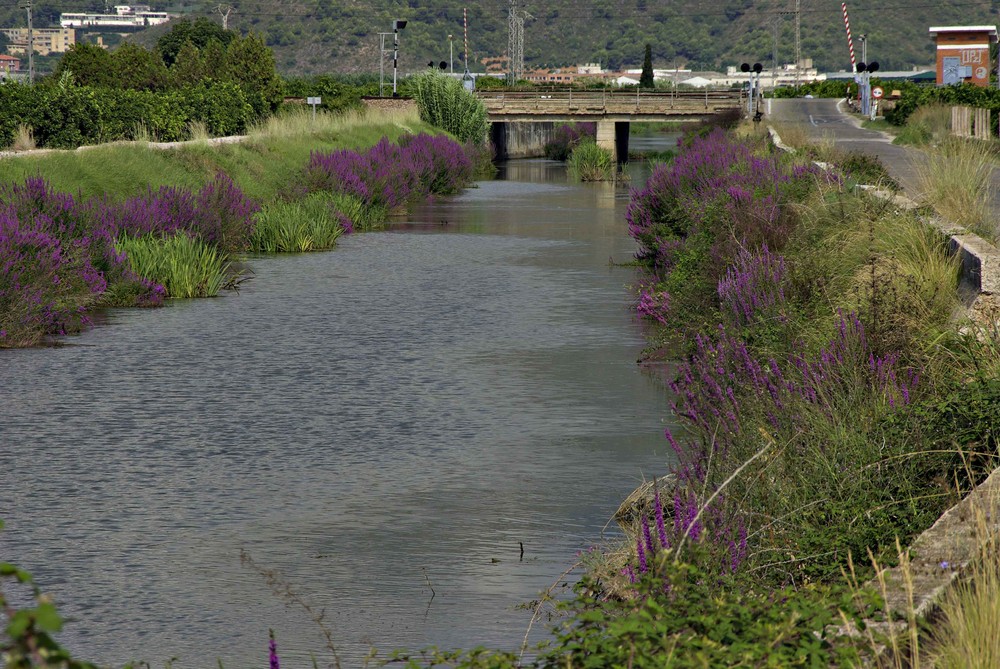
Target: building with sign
963	54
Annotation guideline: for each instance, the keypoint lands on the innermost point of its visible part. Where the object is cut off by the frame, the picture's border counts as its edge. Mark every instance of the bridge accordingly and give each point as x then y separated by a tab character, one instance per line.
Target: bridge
612	110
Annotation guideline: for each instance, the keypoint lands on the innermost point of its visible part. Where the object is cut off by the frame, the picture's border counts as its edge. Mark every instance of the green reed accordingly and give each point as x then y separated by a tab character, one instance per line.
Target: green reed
185	267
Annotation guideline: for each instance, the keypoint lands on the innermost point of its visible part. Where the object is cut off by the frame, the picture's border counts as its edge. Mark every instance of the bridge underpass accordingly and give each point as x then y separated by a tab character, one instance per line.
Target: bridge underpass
612	111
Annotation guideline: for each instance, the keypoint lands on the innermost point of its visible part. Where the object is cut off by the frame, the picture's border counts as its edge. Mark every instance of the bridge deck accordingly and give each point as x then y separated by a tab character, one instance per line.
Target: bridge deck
606	105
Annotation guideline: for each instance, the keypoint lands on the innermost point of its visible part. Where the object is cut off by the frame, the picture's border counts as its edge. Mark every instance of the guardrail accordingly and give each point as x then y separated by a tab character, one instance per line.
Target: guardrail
609	101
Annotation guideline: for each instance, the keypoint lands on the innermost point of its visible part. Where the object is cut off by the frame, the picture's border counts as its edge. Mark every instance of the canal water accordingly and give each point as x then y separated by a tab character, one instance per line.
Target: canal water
383	427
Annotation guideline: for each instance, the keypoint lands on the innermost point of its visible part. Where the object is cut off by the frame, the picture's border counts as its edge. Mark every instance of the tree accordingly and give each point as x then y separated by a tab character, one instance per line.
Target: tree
188	68
250	64
138	69
646	79
89	64
200	33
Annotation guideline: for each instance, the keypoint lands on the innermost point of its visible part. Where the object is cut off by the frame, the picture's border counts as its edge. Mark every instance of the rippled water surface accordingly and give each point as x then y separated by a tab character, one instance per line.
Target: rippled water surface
371	423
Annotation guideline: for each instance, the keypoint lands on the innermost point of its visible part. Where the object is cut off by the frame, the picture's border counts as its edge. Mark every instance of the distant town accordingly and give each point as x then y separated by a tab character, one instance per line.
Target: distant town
132	18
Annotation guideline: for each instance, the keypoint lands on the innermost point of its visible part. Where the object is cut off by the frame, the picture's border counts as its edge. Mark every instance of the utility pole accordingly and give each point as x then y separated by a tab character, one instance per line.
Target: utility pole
798	39
774	51
31	43
451	54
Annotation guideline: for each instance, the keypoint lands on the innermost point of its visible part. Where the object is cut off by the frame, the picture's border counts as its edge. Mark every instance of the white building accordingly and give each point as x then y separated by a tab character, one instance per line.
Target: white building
126	18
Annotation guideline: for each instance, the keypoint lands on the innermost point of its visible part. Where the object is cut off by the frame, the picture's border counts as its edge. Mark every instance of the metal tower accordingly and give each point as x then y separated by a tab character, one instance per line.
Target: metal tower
515	42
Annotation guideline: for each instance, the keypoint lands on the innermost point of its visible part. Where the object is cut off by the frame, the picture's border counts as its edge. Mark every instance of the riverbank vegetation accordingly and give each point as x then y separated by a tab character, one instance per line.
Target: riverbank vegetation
832	404
146	224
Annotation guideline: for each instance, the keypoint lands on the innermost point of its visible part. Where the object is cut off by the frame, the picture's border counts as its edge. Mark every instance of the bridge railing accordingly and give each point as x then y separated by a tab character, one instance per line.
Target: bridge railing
608	101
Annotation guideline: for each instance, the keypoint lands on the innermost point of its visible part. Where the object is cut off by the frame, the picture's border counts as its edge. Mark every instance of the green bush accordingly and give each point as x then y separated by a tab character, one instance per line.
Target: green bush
914	96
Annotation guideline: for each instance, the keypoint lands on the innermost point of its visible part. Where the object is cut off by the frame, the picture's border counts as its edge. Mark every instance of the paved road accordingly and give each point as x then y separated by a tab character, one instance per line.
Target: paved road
824	118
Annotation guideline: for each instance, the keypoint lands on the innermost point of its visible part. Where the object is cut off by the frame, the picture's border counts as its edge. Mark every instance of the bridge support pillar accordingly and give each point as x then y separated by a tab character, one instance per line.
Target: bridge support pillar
606	137
613	136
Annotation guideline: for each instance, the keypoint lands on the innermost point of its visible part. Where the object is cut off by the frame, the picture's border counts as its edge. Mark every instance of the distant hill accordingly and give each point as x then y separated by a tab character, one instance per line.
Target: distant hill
315	36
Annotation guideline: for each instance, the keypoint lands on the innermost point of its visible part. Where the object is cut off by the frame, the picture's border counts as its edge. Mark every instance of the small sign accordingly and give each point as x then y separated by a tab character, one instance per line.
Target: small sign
877	92
314	101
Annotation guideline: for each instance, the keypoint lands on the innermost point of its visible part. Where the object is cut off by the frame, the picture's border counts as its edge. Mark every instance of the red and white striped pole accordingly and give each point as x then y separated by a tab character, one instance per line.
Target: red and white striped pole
465	21
850	41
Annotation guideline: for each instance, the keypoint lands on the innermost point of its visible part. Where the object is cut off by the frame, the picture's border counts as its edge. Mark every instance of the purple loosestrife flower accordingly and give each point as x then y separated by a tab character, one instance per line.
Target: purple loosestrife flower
753	286
641	553
272	649
654	305
661	530
647	536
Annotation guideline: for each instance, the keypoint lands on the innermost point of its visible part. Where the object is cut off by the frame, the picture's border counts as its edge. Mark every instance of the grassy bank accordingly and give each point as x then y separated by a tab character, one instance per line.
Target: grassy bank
262	166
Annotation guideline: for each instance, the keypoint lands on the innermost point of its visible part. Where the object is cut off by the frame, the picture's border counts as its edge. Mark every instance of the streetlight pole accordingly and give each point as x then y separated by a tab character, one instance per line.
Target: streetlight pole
451	54
864	48
397	25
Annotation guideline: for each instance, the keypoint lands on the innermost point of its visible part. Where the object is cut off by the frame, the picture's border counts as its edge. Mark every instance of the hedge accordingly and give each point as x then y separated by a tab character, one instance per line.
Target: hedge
71	116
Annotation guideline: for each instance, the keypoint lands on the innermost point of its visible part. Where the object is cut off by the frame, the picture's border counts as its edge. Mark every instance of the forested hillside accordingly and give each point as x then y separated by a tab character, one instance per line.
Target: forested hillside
312	36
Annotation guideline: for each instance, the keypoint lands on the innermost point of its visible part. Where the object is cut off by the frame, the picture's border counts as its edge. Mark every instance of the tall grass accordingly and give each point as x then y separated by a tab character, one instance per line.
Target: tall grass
928	124
24	139
262	166
956	180
589	162
312	224
186	267
300	122
445	103
968	634
198	131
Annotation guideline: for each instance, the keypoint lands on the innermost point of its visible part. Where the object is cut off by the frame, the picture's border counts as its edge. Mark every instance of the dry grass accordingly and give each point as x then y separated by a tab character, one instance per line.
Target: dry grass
956	180
198	131
300	122
932	120
24	139
141	134
968	636
792	134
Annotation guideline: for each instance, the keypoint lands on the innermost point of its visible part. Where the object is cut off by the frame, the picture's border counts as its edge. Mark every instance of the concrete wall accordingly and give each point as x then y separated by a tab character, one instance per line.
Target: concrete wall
521	139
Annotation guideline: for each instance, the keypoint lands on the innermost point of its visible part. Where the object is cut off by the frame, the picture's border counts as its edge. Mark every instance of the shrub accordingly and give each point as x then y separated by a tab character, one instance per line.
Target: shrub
391	175
445	103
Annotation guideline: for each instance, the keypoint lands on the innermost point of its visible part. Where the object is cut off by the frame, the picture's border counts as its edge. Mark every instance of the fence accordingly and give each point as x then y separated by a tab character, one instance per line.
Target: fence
971	122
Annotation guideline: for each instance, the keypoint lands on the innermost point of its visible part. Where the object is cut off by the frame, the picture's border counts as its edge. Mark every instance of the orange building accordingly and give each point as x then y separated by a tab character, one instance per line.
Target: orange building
963	54
9	63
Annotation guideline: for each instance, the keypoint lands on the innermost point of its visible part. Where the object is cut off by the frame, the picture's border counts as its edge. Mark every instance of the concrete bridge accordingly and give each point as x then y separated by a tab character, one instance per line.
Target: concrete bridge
522	120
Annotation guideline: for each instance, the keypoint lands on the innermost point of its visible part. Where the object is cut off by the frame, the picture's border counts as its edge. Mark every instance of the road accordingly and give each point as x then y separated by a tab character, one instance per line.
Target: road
827	119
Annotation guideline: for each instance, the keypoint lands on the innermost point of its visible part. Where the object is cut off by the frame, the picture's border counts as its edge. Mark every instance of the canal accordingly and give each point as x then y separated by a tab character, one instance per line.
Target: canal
383	426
